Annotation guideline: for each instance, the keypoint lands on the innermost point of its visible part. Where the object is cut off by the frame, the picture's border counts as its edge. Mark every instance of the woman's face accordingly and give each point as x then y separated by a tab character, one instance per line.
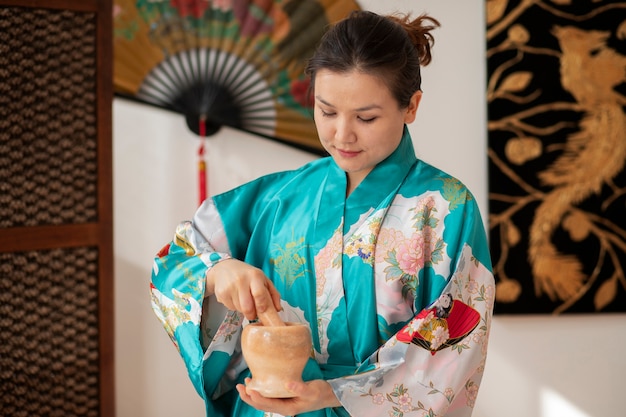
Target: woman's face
358	121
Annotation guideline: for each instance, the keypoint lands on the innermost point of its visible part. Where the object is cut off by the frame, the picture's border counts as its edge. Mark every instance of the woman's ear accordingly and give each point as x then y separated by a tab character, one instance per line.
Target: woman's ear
411	110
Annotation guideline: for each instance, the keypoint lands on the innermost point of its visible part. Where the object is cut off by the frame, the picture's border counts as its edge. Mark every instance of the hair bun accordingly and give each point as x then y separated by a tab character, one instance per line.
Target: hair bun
418	31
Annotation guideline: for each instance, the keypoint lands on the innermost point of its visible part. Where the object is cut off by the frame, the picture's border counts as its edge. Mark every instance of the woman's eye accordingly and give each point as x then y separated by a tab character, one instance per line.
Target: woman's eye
370	120
326	114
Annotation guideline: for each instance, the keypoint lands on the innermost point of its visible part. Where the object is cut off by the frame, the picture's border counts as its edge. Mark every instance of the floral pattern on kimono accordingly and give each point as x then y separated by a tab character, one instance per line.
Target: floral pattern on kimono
394	281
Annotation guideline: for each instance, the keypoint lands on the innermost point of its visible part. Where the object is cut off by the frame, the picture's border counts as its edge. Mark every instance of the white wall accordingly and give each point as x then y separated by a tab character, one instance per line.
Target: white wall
538	365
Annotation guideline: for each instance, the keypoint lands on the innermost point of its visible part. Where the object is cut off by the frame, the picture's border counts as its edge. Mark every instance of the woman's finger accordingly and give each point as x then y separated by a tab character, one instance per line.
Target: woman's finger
261	296
275	296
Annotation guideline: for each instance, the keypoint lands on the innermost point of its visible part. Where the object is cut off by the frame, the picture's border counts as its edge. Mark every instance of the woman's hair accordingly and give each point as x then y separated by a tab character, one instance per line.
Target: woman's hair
390	47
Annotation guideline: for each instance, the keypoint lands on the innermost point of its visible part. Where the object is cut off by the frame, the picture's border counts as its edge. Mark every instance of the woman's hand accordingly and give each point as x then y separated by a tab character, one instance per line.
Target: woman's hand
242	287
308	396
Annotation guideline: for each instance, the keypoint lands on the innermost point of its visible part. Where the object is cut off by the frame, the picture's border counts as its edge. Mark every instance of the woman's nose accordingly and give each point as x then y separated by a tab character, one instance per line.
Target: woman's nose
344	131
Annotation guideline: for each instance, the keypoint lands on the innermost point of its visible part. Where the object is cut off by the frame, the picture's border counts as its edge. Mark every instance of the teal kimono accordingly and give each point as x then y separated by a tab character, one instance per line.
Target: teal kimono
394	281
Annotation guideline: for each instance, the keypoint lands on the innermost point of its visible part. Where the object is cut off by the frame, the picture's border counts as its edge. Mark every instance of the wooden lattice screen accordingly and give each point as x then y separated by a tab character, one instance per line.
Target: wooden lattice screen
56	256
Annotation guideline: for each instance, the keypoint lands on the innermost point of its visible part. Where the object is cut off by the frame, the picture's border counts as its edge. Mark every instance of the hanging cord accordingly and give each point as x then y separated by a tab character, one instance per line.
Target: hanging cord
202	174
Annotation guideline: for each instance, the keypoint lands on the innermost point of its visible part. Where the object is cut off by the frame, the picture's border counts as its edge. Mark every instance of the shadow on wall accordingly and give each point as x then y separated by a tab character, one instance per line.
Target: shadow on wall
540	365
144	368
130	338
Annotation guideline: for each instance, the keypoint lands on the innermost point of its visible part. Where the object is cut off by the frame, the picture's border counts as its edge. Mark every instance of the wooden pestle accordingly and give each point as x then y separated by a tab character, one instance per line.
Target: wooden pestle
270	317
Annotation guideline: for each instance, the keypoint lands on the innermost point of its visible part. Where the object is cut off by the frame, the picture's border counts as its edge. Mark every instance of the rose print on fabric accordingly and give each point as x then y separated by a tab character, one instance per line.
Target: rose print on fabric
471	392
410	255
388	238
426	222
424	214
405	261
328	257
406	254
329	288
229	327
401	402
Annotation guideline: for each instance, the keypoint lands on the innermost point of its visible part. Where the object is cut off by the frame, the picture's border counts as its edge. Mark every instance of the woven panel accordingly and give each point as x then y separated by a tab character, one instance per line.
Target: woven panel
48	125
49	362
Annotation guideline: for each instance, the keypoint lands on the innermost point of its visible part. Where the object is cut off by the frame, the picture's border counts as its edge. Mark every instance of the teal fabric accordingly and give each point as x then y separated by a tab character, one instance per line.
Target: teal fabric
324	253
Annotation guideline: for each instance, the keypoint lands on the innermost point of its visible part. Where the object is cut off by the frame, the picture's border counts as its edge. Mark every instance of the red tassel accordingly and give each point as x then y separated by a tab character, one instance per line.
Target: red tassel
202	175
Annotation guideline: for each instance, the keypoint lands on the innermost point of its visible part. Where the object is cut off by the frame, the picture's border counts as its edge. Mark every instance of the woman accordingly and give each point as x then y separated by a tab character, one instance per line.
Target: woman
382	255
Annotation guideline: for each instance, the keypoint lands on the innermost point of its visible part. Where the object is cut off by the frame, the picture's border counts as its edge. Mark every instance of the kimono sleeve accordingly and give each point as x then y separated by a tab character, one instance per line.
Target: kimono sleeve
178	284
433	366
205	333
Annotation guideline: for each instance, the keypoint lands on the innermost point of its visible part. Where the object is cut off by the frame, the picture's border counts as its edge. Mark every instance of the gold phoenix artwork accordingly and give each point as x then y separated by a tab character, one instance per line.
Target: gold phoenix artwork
557	154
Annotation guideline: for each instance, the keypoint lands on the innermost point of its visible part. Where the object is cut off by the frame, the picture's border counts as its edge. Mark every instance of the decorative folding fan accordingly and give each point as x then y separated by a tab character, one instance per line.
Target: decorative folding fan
236	63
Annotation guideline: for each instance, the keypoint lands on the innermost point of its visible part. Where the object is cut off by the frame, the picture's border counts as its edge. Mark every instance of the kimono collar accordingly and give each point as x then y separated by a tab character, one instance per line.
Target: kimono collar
387	176
377	188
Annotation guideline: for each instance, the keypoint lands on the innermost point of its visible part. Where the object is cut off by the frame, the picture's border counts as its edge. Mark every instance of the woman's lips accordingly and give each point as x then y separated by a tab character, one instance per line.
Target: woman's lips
348	154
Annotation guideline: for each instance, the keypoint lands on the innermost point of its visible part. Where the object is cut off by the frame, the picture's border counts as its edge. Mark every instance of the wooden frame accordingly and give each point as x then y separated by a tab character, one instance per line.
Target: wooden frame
100	233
